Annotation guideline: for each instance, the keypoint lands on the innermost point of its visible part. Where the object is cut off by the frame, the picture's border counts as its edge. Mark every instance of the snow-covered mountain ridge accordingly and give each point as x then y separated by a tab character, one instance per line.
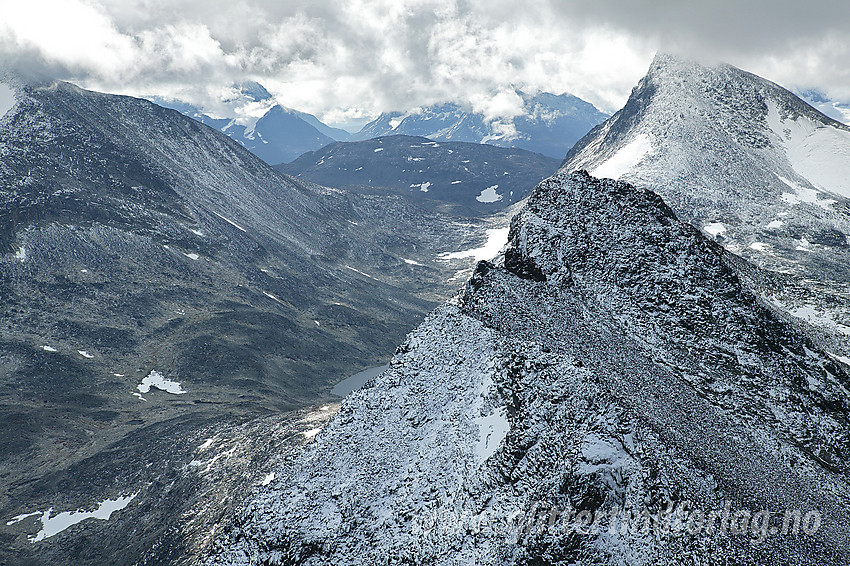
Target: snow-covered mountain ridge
615	359
750	164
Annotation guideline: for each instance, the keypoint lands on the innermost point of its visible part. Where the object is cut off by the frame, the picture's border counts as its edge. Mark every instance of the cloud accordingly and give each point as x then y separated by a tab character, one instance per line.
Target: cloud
354	58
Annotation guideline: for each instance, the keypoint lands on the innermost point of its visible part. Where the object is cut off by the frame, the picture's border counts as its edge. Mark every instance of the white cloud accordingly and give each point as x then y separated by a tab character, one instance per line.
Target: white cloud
72	34
347	60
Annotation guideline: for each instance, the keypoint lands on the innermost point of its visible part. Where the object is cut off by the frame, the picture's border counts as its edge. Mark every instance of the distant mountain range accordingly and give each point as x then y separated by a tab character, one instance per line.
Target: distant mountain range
472	177
835	109
549	124
277	135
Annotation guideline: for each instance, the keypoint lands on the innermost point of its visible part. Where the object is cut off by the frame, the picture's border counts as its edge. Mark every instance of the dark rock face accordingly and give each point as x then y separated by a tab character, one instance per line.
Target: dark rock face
136	240
522	267
642	373
469	177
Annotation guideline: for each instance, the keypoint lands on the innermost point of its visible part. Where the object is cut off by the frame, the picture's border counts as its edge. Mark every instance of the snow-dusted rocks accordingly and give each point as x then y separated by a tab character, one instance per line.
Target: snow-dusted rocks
614	361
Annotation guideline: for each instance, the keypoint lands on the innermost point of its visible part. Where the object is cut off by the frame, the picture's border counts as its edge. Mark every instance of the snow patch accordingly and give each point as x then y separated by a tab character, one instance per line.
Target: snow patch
758	246
492	429
626	158
601	453
775	224
268	479
272	297
156	379
192	256
85	354
843	359
714	229
229	221
496	239
411	262
19	518
802	194
312	432
21	254
48	348
54	525
360	272
378	149
422	186
456	182
818	152
7	99
489	195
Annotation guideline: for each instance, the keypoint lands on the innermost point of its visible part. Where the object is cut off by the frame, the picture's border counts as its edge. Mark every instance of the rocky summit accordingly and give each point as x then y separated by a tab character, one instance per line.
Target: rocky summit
612	391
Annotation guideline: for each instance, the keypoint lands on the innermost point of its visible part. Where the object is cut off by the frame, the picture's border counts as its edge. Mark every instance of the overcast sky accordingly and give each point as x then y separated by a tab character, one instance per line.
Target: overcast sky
347	59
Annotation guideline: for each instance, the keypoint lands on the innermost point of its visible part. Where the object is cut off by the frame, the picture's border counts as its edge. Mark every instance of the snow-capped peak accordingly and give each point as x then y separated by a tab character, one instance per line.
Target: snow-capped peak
543	122
722	145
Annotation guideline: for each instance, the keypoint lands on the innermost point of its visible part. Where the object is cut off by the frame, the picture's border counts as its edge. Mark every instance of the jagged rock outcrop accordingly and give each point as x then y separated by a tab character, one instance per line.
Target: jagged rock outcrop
754	167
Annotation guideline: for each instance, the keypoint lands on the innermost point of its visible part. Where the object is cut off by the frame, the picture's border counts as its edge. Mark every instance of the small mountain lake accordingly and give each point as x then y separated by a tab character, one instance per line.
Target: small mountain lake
357	380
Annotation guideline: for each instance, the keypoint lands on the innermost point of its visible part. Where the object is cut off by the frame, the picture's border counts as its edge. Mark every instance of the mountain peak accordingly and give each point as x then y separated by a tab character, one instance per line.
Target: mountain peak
736	155
253	91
